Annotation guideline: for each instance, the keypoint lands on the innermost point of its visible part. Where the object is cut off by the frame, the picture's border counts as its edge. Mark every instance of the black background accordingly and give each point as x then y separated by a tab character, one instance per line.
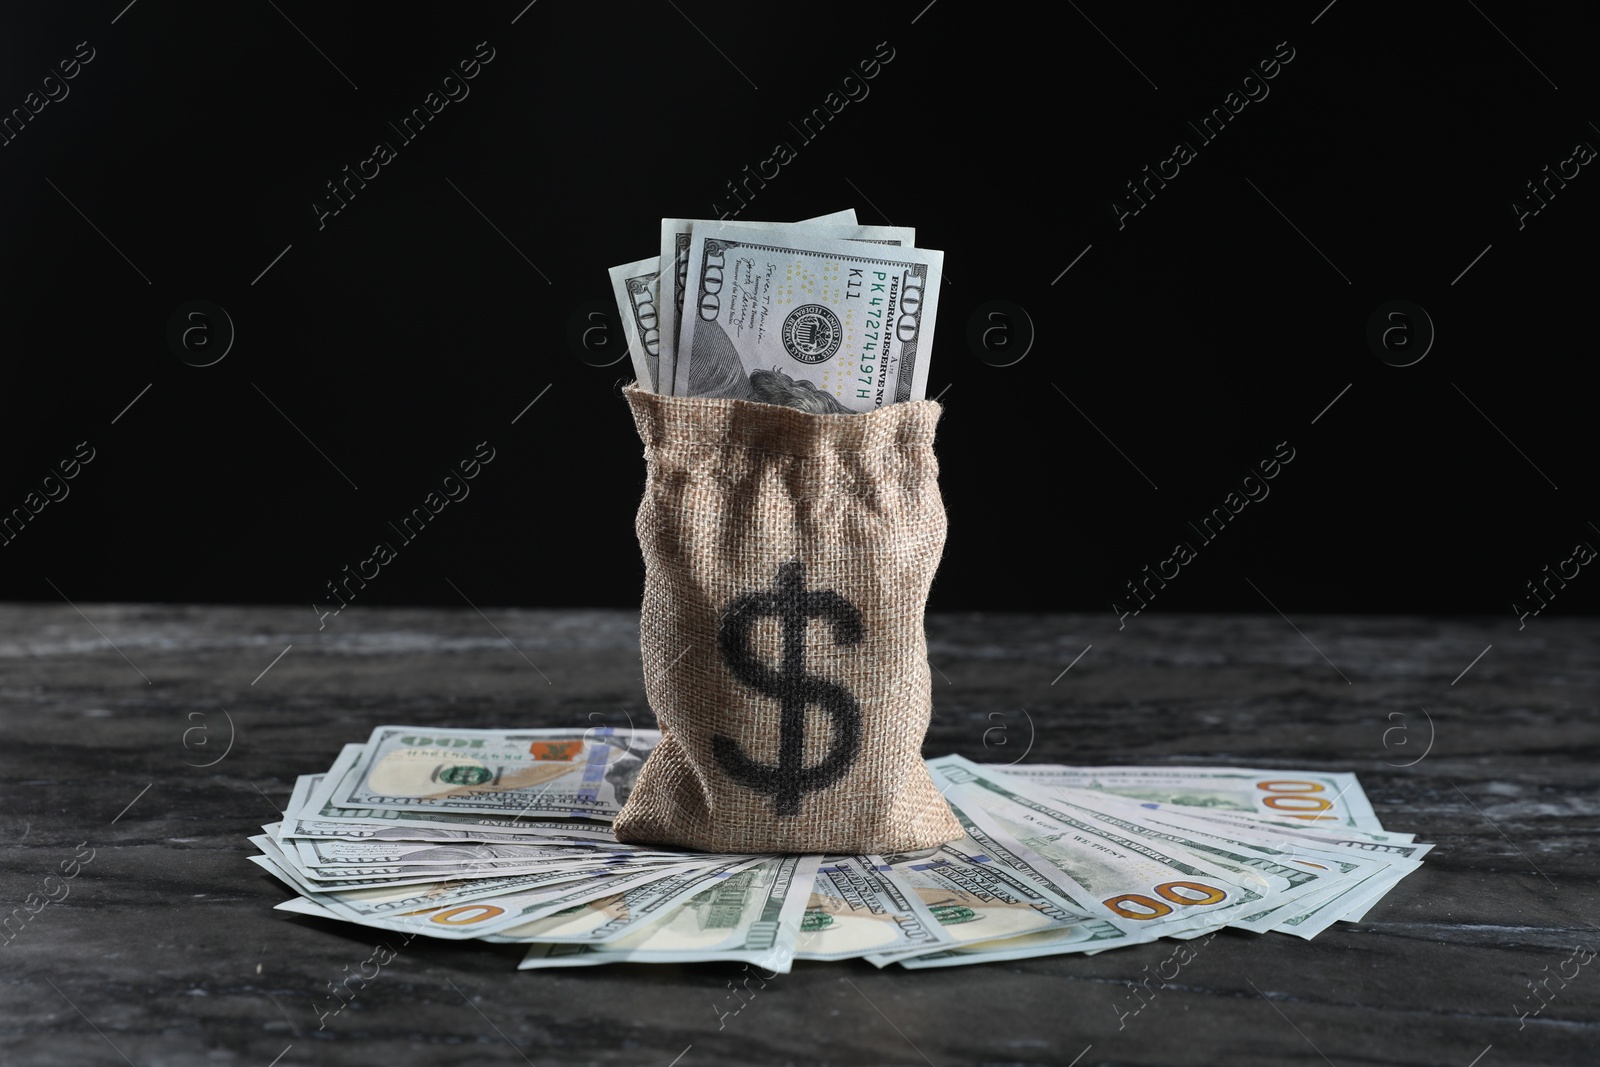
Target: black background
422	319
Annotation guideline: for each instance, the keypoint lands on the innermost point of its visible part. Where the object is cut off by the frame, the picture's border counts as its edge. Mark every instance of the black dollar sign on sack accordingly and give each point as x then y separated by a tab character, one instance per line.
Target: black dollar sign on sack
794	606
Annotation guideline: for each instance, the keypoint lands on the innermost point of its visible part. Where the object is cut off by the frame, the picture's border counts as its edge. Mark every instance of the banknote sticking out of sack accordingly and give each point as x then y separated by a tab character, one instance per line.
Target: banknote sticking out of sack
787	558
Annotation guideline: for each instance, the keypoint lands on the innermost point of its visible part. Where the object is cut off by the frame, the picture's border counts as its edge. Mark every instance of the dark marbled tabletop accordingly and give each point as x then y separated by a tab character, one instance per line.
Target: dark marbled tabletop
163	948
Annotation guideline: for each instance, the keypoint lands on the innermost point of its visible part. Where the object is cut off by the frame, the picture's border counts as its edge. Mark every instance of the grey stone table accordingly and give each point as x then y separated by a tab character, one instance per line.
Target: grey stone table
159	944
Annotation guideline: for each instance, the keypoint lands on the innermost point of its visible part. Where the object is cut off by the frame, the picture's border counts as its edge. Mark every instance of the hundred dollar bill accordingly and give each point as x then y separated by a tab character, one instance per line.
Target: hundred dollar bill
365	878
986	852
487	918
673	266
1116	874
1362	869
637	288
633	908
1352	880
1312	919
1088	936
322	786
858	907
477	919
561	773
977	901
752	916
376	824
326	852
1293	875
304	906
467	868
995	868
274	860
1349	836
356	904
1360	903
279	866
1317	798
675	241
1022	947
1353	855
1386	843
1165	887
823	325
373	876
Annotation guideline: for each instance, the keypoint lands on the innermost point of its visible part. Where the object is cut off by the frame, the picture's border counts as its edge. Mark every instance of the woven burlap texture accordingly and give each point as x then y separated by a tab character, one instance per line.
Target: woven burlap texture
787	558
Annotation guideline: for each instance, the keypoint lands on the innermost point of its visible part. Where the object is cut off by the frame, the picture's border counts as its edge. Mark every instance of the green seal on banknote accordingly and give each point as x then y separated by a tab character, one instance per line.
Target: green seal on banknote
814	921
950	914
465	774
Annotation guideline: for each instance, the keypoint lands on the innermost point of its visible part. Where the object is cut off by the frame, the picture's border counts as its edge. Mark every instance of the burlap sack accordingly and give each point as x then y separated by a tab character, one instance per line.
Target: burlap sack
787	563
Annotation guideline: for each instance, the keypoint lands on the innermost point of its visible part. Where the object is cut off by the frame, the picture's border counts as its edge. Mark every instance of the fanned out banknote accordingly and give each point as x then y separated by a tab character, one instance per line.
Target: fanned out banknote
504	836
651	324
826	315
